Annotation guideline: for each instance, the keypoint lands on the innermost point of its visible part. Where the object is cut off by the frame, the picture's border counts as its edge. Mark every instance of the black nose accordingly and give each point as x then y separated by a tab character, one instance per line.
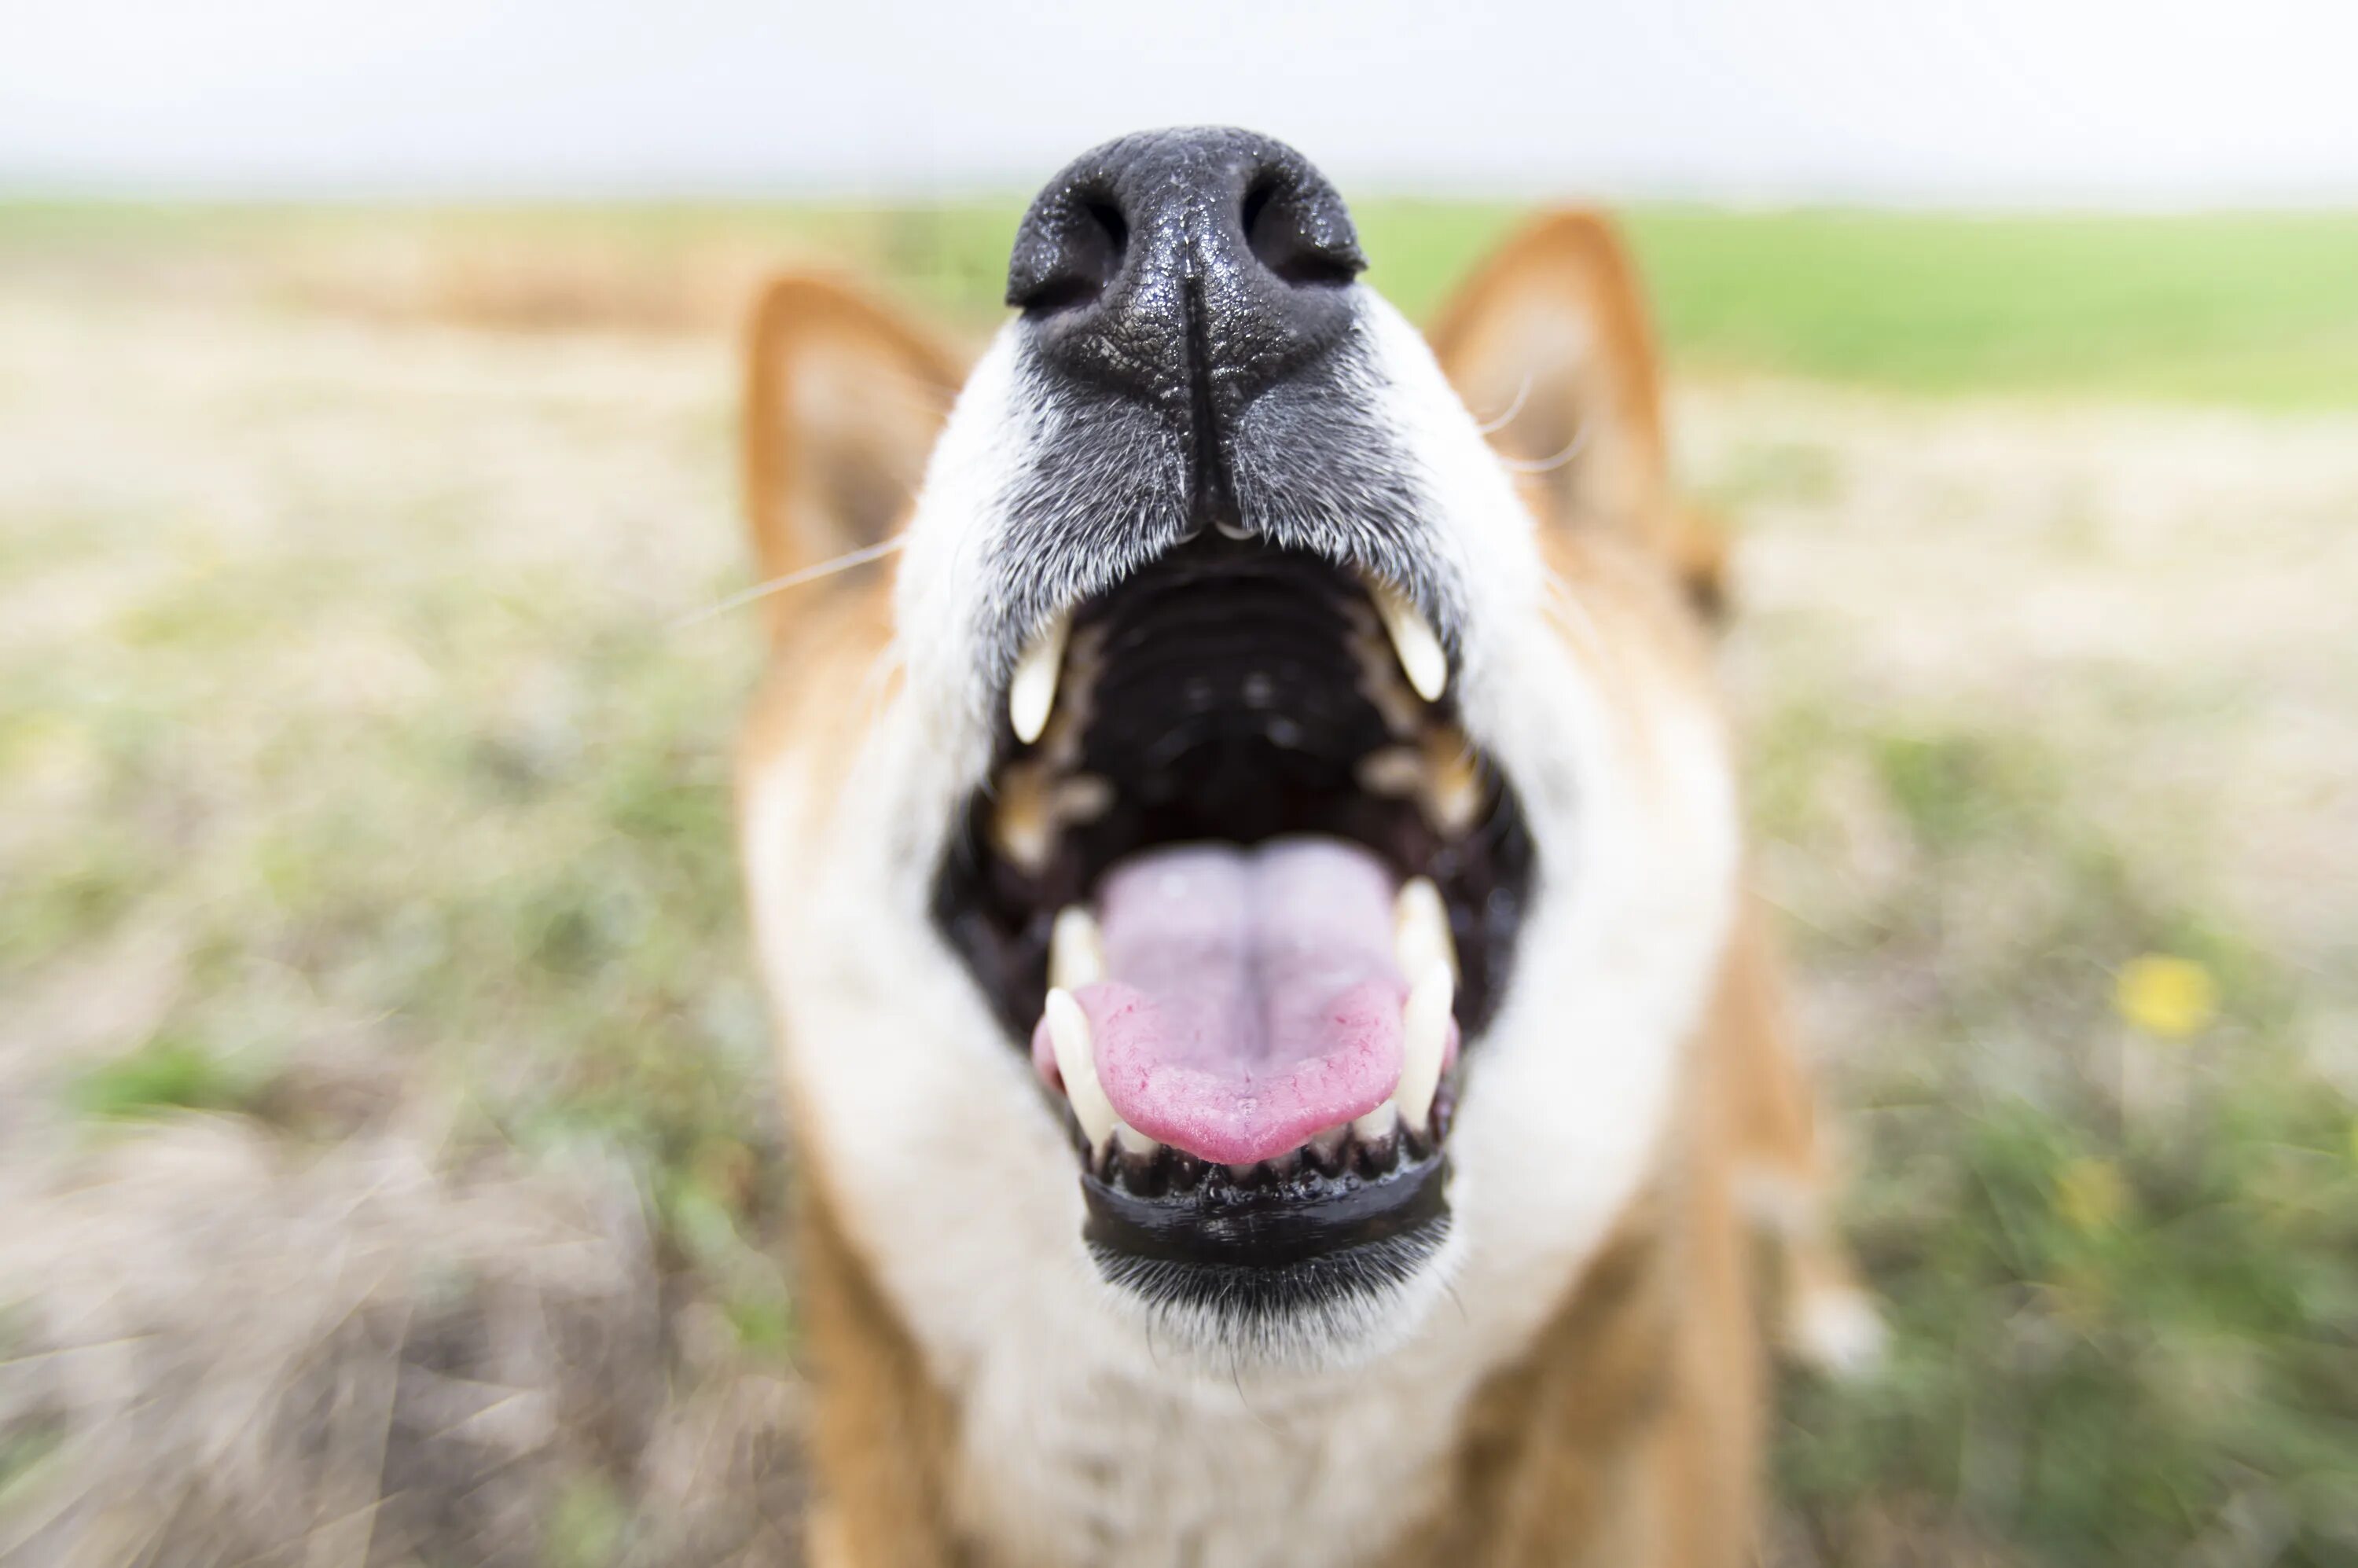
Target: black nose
1189	270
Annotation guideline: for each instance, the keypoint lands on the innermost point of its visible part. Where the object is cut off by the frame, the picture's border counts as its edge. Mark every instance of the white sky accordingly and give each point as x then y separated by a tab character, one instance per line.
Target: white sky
2111	102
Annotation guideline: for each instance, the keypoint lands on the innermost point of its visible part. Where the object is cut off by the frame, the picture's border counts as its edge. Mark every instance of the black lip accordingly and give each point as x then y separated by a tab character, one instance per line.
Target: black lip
1255	1252
1267	1225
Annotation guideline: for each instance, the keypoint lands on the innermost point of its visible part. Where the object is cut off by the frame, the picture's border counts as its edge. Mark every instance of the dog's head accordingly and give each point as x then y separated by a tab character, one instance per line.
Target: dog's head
1265	853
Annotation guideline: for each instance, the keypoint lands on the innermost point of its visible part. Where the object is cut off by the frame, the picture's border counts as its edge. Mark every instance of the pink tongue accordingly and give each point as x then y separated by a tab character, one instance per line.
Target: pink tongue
1252	999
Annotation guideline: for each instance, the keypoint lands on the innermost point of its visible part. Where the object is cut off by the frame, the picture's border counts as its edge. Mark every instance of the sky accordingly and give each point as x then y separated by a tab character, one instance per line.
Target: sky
2005	103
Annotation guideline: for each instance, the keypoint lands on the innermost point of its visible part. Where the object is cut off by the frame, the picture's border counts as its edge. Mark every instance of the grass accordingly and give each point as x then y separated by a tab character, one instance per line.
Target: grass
2124	1278
343	715
2250	308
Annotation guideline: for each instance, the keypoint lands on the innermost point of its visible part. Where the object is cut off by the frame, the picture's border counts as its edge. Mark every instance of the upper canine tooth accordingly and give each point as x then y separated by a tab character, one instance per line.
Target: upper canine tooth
1424	1036
1413	639
1068	1032
1075	950
1421	928
1031	693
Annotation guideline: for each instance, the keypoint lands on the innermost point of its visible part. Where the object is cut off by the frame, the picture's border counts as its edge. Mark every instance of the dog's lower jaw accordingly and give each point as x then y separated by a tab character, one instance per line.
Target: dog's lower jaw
1074	1443
1333	1330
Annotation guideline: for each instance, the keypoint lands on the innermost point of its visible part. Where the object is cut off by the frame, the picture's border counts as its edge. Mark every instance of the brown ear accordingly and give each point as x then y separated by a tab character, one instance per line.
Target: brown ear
1549	343
842	403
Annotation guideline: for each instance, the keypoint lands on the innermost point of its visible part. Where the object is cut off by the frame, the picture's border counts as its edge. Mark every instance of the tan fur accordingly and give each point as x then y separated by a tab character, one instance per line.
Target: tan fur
1627	1431
841	402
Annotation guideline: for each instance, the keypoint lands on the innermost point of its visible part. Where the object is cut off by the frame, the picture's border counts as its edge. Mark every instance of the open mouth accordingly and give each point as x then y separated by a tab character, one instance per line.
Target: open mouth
1245	888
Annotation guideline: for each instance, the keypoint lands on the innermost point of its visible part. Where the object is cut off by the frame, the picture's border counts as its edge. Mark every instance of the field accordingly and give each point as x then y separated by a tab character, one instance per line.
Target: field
385	1135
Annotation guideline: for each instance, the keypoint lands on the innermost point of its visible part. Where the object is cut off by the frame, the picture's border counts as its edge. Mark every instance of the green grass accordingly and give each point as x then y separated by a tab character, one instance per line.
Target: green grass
2242	309
2121	1269
2236	308
165	1074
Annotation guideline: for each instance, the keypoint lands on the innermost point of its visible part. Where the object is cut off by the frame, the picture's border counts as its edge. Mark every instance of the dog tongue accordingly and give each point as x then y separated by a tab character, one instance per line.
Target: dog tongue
1251	997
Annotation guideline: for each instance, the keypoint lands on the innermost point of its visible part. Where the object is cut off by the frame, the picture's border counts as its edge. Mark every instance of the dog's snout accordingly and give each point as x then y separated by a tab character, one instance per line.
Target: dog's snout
1195	355
1187	269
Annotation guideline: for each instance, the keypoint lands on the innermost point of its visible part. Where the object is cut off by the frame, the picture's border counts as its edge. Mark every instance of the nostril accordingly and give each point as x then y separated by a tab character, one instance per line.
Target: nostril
1080	259
1295	238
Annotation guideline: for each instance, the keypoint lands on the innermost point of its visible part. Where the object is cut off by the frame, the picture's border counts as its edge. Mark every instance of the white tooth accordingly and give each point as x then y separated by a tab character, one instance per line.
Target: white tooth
1076	951
1068	1032
1329	1143
1413	639
1424	1034
1133	1140
1032	694
1421	928
1378	1124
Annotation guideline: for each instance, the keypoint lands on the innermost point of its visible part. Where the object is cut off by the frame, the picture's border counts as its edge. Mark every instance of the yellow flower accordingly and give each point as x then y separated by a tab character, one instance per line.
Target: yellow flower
2166	997
2090	1195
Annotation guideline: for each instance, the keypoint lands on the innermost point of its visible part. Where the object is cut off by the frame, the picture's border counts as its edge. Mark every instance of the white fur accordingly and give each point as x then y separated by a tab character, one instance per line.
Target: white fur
1085	1437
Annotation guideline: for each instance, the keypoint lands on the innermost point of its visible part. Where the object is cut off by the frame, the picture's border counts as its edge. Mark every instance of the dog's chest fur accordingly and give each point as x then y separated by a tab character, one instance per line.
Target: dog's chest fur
1060	1449
1090	1457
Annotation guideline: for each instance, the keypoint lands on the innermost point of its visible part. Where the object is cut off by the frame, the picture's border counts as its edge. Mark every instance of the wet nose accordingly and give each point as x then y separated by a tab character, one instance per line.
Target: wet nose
1189	270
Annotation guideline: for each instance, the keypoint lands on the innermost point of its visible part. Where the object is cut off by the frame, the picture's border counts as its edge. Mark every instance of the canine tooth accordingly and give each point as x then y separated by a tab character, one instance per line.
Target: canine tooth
1378	1124
1068	1032
1413	639
1032	694
1133	1141
1075	950
1424	1036
1421	928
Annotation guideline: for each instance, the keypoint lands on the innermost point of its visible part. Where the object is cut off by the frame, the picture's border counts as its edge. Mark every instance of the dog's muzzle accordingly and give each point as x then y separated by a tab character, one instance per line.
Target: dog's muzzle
1237	877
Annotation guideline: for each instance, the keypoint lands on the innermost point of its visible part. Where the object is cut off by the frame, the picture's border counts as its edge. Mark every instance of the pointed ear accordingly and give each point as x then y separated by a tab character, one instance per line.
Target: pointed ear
1550	344
843	401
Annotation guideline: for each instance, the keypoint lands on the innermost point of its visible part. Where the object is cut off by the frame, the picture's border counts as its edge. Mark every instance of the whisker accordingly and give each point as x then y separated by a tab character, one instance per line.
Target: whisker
845	562
1521	394
1542	465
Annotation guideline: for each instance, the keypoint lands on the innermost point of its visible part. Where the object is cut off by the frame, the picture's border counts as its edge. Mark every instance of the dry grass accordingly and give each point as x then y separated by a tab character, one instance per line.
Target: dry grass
384	1128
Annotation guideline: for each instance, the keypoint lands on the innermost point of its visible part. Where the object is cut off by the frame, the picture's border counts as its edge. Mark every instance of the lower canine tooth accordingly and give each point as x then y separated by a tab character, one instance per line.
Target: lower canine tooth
1413	639
1424	1036
1031	691
1421	928
1075	950
1068	1033
1378	1124
1133	1140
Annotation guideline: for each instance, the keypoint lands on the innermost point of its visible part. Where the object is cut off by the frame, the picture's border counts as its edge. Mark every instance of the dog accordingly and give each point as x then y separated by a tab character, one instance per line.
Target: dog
1281	1065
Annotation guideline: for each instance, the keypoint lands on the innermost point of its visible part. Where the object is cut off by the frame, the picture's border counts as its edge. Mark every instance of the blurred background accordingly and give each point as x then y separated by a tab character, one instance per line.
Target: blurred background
387	1156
